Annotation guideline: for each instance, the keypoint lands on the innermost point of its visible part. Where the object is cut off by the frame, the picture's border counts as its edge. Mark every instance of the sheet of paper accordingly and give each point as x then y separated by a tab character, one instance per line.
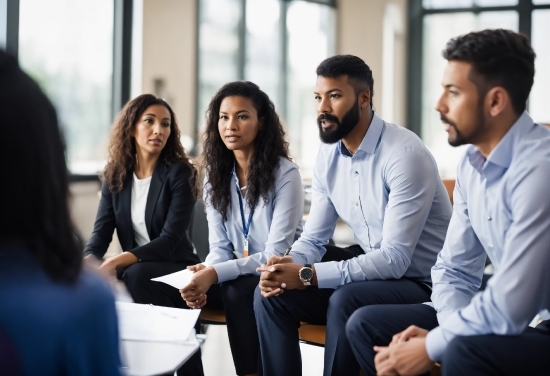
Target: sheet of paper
144	322
178	279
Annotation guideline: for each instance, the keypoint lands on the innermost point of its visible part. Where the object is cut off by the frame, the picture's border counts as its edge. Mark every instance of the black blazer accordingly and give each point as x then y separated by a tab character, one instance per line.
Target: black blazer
168	210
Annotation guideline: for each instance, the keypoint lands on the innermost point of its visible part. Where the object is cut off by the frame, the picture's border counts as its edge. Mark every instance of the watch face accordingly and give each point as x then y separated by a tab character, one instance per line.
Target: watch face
306	274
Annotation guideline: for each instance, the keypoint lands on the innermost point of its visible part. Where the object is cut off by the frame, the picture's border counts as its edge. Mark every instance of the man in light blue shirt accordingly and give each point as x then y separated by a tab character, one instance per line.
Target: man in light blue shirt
380	179
501	209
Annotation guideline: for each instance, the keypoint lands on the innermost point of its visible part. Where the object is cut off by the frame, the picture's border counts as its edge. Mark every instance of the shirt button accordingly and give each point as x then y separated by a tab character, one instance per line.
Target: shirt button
356	204
356	173
489	218
490	246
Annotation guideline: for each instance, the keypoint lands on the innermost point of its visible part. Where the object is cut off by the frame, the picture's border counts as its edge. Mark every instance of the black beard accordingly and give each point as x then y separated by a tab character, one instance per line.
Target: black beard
460	139
349	121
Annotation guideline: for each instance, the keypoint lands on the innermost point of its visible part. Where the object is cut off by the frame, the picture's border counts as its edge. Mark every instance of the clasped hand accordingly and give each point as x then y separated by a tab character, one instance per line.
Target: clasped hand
279	273
405	355
194	293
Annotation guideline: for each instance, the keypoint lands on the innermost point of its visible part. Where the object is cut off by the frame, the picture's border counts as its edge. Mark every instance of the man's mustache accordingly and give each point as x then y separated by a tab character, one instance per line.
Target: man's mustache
328	117
444	119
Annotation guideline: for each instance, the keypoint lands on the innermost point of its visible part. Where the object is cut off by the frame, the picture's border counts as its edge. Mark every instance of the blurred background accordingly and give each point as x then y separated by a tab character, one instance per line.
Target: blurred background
92	56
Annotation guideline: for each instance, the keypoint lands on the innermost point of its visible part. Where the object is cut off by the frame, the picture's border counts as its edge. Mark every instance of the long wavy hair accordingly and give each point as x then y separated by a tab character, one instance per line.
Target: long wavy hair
35	190
217	160
122	144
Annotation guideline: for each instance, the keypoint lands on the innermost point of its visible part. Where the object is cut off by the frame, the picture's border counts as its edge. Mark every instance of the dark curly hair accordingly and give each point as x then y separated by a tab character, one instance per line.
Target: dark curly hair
218	161
499	58
358	72
122	145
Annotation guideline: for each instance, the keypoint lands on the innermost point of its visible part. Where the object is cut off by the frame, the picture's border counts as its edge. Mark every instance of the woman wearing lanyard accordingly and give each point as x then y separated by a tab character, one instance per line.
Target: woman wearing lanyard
254	203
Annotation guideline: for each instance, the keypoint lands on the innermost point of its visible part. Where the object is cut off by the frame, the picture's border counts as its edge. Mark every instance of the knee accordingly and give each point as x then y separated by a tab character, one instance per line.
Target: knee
137	274
258	300
342	303
359	323
457	351
264	306
239	290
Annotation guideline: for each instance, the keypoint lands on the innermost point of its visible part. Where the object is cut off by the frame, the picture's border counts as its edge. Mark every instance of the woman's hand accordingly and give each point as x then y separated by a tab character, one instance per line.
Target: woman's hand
110	266
194	293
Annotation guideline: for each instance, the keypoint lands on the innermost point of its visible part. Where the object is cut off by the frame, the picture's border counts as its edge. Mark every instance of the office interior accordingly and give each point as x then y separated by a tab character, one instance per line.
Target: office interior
92	56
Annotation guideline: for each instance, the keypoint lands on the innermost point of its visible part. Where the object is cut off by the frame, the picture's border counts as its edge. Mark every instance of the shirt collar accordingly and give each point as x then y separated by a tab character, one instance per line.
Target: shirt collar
503	153
371	139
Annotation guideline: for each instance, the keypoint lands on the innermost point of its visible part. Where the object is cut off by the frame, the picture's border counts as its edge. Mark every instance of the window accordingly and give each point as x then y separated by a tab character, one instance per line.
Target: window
79	52
433	23
276	44
67	47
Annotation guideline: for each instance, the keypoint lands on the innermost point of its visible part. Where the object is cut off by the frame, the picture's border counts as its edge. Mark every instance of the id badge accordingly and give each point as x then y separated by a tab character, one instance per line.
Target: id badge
245	251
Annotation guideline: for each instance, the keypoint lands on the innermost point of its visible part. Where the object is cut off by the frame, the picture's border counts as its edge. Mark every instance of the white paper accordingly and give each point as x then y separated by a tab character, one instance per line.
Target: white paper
144	322
178	279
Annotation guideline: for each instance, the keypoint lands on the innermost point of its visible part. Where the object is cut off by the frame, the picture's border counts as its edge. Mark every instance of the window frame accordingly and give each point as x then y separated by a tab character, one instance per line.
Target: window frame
122	56
416	14
282	108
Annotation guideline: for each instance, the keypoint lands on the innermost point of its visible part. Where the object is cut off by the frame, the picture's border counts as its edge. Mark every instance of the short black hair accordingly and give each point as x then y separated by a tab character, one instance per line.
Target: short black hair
35	190
501	58
358	72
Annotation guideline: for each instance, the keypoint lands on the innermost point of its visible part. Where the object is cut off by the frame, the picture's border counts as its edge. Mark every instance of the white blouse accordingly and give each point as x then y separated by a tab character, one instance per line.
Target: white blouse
140	189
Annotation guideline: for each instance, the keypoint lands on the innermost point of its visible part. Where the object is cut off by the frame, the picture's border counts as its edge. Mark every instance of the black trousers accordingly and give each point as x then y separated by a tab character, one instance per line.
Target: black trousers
137	278
236	298
278	319
524	354
375	326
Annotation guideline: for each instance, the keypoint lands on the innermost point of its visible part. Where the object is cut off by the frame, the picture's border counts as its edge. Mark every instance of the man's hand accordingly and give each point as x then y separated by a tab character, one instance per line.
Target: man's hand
280	276
194	293
410	332
196	268
404	357
382	362
277	260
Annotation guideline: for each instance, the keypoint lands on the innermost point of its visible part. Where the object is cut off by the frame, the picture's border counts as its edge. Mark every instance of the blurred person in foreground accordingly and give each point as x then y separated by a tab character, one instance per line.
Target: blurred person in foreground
57	318
501	210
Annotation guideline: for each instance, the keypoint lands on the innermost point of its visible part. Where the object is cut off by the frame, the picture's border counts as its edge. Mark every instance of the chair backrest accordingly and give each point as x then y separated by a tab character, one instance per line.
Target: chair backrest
450	186
198	230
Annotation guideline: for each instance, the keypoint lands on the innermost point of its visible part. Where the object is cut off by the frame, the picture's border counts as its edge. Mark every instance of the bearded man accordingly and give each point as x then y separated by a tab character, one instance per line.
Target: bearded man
381	180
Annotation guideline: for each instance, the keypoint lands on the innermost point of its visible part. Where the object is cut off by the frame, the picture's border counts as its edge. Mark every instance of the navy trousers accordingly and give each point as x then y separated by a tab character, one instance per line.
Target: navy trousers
278	319
524	354
375	326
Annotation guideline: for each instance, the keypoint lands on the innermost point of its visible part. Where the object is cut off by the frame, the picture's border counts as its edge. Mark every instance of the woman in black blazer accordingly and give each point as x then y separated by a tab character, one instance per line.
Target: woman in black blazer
147	197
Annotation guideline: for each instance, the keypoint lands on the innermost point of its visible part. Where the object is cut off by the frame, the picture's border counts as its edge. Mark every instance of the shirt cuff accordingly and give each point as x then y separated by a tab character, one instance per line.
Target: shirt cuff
436	344
226	270
297	258
328	275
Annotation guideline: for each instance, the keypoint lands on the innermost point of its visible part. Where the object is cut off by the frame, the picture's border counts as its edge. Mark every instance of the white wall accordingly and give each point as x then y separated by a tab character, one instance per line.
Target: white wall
169	54
375	30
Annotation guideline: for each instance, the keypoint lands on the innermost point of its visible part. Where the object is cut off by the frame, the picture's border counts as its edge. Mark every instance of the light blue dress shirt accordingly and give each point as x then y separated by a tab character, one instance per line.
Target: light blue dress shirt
501	209
274	225
390	194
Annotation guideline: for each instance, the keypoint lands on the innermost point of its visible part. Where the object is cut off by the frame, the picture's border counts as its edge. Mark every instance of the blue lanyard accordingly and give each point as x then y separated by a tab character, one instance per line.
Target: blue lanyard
246	226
